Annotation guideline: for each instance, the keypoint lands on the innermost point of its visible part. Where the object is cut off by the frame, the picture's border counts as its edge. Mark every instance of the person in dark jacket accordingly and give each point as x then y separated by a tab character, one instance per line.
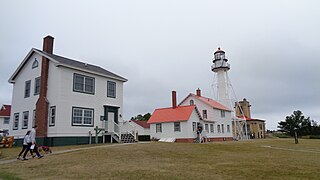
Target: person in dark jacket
25	144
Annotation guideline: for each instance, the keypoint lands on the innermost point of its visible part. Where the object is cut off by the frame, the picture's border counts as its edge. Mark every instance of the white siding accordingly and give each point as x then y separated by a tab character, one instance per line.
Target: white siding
168	129
21	104
214	117
60	94
131	126
4	126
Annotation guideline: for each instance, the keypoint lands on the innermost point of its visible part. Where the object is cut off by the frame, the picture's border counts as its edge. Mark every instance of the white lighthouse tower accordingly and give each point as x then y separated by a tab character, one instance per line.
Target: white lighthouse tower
223	88
221	68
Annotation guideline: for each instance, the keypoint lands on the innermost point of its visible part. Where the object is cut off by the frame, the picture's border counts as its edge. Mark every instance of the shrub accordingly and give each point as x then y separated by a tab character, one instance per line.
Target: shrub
282	135
314	136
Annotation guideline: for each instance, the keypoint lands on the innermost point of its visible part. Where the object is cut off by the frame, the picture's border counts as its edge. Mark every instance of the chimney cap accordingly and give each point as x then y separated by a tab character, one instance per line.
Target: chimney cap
49	36
198	92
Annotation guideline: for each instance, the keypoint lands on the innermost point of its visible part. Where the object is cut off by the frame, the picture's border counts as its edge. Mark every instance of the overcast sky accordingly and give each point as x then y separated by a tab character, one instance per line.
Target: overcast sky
273	48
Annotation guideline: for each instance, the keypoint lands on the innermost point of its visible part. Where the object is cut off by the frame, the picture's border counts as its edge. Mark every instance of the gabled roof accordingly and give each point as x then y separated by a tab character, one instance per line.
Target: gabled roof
208	101
70	63
180	113
143	124
5	110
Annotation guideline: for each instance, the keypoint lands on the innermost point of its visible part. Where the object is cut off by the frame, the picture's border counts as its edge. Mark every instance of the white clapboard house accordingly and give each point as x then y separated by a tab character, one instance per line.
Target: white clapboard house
69	100
179	123
5	117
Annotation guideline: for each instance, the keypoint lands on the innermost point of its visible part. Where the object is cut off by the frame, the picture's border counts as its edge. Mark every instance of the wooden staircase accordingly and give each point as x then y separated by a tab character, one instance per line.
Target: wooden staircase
127	138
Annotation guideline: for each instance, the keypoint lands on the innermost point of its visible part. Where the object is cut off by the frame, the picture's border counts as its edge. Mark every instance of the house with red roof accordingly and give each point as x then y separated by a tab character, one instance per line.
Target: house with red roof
137	127
5	117
183	121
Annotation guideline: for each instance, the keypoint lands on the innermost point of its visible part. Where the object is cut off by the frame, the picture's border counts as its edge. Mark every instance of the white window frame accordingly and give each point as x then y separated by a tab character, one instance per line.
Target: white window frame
206	127
82	117
158	128
223	113
25	119
218	128
211	128
222	128
27	89
84	84
34	118
228	128
205	114
16	121
52	116
6	120
177	127
194	126
111	89
37	82
191	102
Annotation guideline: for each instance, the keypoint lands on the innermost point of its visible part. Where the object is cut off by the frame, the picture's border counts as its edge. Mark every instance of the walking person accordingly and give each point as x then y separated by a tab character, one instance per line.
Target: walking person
32	143
25	145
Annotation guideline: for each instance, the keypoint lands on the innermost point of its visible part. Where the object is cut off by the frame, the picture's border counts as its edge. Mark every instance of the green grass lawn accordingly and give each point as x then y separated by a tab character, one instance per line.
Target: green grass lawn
256	159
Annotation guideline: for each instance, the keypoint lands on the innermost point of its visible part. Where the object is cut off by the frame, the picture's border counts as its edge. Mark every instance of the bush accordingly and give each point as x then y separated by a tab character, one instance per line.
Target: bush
314	136
282	135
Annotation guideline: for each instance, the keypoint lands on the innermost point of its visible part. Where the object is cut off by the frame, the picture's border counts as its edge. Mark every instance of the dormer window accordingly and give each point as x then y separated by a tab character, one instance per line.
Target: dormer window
35	63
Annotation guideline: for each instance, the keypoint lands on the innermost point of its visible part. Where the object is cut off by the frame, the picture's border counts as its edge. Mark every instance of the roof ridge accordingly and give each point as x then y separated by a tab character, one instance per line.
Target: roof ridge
174	108
81	65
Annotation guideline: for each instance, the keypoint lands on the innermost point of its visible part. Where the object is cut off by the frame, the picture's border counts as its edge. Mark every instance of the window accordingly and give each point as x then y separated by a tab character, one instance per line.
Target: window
205	115
223	114
16	121
35	63
82	116
158	128
52	116
34	118
228	128
6	121
191	102
37	86
83	84
211	128
222	128
219	130
194	126
111	89
260	126
27	88
25	120
206	127
177	127
248	127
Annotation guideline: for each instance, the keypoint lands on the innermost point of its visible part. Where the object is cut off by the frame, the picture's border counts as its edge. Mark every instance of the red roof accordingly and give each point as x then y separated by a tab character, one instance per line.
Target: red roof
180	113
143	124
209	102
5	110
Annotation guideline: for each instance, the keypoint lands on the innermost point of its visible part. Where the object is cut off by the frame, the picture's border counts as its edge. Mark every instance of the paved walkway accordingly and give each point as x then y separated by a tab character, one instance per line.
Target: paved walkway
73	150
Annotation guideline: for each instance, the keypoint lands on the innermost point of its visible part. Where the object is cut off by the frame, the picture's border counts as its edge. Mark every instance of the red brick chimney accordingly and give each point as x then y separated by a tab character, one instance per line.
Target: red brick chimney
174	99
42	105
198	92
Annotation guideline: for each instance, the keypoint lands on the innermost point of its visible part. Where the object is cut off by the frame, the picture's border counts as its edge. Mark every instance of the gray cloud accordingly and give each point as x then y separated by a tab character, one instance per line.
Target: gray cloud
272	46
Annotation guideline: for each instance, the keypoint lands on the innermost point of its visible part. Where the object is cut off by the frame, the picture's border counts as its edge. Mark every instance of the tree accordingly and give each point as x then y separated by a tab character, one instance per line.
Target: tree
296	123
140	117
